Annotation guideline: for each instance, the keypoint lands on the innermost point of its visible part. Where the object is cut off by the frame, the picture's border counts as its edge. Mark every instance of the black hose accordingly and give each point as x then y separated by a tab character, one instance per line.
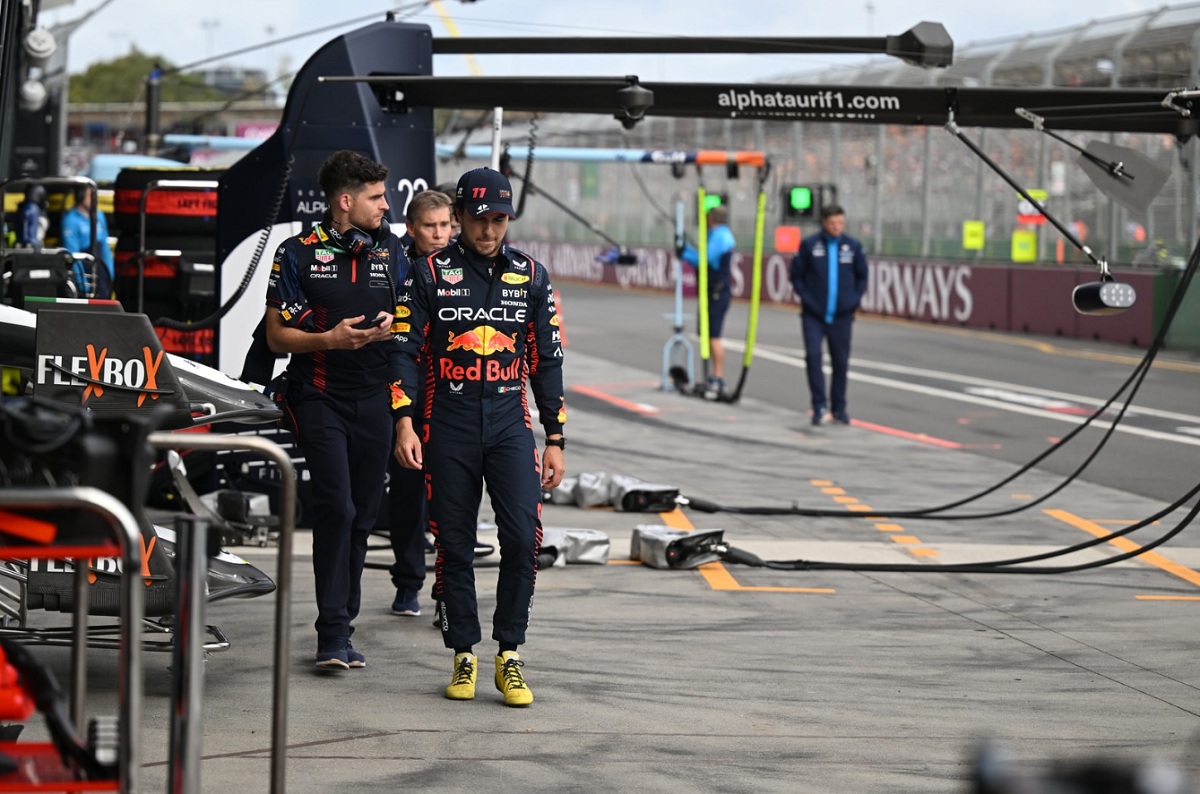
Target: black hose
1133	382
994	566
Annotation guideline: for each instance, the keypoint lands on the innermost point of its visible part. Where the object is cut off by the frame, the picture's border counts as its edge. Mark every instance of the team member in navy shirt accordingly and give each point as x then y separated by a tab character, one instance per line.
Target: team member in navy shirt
331	304
829	275
427	220
483	322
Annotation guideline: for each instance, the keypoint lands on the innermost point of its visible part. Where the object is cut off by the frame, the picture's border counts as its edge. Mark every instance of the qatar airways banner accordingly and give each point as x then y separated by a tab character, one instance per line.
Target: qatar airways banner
1018	298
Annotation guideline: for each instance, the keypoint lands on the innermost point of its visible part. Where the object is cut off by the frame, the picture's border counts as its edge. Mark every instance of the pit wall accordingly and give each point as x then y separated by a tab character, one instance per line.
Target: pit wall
1023	298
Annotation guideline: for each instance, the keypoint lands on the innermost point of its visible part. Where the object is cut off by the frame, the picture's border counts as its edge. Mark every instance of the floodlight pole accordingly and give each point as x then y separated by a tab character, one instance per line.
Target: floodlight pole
497	125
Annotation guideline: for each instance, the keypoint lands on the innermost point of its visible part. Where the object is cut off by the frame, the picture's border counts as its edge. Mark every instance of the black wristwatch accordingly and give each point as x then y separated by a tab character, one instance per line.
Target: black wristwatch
561	443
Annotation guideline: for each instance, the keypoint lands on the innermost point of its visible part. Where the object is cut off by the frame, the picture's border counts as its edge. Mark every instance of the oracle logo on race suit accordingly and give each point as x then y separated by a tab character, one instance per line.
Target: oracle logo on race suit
496	314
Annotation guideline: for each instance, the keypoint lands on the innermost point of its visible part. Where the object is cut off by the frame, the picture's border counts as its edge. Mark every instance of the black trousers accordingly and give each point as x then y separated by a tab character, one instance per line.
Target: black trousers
346	443
407	520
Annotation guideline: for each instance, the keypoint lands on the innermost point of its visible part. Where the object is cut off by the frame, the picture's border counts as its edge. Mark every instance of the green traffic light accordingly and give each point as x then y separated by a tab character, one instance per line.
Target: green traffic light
801	199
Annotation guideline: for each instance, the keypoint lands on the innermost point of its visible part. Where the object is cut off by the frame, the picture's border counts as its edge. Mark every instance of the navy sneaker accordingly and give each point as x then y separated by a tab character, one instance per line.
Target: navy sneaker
334	657
354	658
842	418
818	415
406	604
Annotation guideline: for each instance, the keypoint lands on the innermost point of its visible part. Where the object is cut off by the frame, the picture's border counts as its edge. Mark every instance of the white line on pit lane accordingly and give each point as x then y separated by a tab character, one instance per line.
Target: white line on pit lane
797	362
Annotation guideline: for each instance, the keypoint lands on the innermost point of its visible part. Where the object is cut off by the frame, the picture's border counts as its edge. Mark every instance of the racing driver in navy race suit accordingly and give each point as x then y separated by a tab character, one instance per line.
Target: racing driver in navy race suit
483	321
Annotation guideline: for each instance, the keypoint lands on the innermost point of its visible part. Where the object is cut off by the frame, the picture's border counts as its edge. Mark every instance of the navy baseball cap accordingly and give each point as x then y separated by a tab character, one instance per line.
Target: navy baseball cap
483	191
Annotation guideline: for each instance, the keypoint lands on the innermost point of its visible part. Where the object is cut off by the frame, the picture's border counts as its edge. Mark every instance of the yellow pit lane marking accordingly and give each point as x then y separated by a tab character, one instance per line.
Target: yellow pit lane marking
1124	544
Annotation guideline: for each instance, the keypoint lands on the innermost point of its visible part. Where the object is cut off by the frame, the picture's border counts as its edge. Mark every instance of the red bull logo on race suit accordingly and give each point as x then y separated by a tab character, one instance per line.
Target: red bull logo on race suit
482	340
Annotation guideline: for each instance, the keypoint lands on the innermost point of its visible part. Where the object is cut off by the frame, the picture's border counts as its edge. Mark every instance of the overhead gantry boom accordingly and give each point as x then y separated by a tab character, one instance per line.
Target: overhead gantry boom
1139	110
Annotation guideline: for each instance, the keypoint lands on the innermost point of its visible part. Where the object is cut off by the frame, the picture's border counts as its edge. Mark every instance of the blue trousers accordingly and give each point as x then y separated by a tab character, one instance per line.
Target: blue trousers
346	444
458	461
837	333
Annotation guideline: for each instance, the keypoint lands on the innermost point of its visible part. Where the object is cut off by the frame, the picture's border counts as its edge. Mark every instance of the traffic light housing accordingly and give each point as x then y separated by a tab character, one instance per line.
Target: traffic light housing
805	201
801	201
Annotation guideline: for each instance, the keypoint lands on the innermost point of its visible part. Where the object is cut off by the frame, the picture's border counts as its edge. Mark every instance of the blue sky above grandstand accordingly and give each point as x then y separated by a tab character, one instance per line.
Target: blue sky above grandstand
212	28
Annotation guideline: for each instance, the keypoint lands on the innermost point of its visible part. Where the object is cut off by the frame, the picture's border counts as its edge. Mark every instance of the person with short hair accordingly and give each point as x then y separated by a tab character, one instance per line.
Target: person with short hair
721	245
427	221
484	322
332	303
77	238
450	189
829	275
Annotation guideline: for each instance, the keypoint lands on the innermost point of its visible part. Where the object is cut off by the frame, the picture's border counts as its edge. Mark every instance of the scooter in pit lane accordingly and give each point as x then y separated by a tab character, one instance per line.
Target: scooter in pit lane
91	359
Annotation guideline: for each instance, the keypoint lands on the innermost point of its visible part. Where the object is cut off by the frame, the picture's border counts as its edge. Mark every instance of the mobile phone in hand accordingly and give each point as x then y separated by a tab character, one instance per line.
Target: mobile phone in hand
372	322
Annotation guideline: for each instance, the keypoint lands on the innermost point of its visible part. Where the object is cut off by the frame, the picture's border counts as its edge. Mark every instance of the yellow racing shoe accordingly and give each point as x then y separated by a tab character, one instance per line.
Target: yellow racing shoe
462	684
510	681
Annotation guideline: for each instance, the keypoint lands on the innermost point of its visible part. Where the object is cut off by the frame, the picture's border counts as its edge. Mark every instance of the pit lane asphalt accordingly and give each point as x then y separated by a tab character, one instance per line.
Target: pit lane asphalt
732	679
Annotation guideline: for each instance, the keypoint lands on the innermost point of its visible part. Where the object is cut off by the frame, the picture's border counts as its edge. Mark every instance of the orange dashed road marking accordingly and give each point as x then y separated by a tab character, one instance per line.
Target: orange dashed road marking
851	504
1124	544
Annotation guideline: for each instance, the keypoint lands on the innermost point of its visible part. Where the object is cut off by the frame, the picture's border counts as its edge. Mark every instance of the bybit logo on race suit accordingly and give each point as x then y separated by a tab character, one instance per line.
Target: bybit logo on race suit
482	340
97	372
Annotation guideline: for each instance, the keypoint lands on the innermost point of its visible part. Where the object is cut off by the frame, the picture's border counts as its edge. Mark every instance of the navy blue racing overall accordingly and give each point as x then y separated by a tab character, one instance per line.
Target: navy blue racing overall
407	514
481	328
340	402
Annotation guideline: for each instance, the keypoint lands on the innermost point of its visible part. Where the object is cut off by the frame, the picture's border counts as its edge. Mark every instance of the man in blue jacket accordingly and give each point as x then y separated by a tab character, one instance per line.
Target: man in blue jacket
829	275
